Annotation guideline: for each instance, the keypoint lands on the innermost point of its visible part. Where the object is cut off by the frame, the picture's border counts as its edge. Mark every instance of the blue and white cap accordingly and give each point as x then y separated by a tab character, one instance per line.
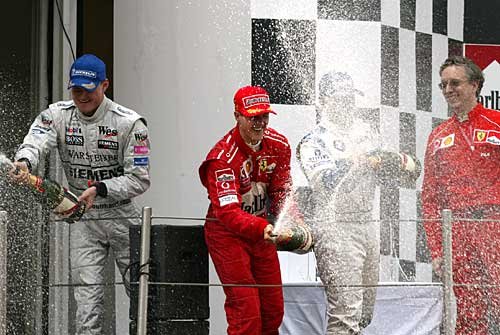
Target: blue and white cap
87	72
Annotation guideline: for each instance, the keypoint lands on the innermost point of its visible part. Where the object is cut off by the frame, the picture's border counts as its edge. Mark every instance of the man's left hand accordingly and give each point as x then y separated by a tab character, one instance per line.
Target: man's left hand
88	197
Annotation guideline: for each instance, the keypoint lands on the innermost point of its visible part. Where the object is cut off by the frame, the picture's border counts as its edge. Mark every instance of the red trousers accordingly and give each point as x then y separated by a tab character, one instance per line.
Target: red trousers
476	261
249	310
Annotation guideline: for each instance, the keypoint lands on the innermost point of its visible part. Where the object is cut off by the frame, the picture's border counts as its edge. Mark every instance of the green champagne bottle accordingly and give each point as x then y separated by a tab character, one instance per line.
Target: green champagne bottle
59	199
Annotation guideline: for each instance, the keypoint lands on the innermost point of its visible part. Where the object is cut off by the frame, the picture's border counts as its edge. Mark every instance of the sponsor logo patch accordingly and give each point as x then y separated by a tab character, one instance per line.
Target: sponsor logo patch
38	131
74	140
493	138
83	73
105	144
124	111
46	121
89	174
225	182
444	142
107	132
228	199
140	137
141	150
479	135
265	167
141	161
255	100
224	175
245	173
73	130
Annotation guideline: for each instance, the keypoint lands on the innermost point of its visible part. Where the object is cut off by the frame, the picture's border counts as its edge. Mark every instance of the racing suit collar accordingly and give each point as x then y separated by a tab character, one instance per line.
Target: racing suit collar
475	111
99	113
243	146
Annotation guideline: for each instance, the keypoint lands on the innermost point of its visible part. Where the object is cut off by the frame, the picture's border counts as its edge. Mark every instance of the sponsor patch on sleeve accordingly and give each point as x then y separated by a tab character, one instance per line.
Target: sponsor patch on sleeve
141	161
141	136
141	150
228	199
225	182
38	131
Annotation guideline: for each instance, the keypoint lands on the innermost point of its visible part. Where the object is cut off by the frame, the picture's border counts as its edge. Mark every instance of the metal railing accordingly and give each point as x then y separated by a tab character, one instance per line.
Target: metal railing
447	273
142	310
448	284
3	272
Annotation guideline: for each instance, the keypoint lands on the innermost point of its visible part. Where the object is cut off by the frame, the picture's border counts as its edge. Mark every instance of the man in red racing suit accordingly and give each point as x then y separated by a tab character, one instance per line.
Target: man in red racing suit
462	173
247	175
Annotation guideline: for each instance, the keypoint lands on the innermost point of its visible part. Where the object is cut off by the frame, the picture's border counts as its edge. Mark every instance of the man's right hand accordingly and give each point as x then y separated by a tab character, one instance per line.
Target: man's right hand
19	173
268	232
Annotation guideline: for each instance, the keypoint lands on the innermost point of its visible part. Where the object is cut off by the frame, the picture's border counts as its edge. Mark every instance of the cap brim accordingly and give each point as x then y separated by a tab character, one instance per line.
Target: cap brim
87	85
256	112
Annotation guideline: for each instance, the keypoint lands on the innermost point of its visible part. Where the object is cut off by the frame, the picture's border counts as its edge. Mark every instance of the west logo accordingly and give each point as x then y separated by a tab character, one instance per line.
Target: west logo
107	132
139	137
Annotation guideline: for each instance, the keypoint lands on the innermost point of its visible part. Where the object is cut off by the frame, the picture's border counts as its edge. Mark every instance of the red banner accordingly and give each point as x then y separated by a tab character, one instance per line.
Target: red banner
487	57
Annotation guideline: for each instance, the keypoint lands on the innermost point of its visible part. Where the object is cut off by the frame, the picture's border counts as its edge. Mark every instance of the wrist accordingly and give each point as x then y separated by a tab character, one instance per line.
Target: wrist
27	162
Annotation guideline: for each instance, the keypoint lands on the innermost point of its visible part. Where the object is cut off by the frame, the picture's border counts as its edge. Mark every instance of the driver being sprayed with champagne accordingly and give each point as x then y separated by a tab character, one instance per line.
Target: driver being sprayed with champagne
343	163
247	177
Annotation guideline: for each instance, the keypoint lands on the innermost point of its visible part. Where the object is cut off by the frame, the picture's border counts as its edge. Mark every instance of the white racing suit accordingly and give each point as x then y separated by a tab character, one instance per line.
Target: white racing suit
347	243
112	147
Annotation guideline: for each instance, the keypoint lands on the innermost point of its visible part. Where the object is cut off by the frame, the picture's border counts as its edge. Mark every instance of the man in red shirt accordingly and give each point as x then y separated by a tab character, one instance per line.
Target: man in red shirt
462	173
247	176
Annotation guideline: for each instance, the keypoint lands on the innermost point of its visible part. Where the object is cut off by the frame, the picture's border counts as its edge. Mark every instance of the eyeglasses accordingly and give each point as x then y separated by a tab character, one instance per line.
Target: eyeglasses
453	83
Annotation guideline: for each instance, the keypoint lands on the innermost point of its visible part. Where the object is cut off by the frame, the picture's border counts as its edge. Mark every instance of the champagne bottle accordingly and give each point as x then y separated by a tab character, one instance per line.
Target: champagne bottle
297	239
59	199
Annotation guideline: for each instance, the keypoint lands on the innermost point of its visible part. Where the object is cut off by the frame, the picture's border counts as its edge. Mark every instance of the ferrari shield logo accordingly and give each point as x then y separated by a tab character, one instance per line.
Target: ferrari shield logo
263	165
480	135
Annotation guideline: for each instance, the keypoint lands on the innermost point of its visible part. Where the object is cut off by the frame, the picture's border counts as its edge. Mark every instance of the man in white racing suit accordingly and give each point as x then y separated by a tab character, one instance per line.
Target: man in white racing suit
343	162
104	150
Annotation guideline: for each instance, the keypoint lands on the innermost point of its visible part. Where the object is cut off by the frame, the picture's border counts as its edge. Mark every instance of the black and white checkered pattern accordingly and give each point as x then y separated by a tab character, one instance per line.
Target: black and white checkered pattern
393	50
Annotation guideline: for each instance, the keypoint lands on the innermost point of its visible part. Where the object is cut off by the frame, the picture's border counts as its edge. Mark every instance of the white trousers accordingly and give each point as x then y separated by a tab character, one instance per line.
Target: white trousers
347	250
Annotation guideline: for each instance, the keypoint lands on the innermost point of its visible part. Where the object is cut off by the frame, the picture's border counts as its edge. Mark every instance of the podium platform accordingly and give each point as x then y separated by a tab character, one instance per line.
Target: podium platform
399	310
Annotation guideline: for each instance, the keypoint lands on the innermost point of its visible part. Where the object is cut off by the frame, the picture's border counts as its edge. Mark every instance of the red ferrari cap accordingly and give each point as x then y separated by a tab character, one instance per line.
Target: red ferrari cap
252	101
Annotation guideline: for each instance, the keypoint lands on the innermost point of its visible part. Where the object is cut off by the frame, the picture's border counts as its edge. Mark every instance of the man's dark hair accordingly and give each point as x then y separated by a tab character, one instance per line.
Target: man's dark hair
472	71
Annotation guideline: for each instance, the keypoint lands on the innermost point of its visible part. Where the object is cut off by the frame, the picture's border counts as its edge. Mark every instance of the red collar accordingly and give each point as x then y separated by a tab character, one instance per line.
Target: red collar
476	111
